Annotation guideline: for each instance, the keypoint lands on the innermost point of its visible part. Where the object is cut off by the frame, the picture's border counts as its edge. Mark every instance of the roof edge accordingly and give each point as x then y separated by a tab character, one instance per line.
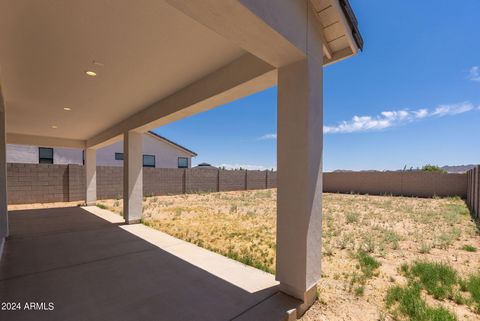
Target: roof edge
352	22
173	143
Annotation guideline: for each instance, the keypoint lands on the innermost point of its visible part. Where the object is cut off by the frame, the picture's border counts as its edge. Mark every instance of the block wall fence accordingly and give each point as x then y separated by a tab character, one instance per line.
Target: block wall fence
408	183
44	183
473	191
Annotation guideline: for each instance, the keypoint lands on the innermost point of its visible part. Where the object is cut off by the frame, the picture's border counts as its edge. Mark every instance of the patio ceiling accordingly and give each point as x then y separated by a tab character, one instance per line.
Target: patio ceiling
155	61
141	54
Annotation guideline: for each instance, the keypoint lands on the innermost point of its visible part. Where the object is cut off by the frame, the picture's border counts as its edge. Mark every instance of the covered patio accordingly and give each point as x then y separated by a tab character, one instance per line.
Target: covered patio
93	267
85	74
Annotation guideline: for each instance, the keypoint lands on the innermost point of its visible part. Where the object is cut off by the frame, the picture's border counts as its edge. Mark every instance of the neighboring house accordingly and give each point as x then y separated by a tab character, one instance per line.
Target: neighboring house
158	152
205	165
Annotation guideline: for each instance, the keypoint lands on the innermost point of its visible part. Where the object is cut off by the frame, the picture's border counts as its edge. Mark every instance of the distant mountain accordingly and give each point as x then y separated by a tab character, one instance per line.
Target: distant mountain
449	169
458	168
349	170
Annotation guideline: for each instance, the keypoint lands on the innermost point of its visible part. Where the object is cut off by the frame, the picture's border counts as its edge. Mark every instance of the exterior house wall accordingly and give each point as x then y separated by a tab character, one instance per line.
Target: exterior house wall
65	156
22	154
166	155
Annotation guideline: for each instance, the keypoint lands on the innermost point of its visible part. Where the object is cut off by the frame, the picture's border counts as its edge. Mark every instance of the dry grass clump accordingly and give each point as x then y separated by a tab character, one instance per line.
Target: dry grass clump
366	239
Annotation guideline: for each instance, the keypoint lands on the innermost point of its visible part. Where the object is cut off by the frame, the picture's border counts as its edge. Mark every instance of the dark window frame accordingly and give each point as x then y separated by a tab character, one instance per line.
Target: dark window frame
154	161
45	160
119	156
178	162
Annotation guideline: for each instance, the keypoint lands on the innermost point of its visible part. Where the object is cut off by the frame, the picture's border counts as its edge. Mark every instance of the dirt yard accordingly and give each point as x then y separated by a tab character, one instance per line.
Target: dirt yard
375	249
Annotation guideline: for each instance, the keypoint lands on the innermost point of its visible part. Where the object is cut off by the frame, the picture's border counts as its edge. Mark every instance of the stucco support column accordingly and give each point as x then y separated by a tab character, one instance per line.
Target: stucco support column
299	178
132	177
91	176
3	176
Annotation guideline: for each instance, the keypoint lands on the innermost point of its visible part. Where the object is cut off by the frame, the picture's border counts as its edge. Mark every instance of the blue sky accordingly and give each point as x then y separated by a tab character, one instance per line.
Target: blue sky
411	97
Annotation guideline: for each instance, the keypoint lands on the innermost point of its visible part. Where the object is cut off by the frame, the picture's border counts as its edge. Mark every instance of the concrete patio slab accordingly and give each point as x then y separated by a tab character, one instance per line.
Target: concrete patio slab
91	268
241	275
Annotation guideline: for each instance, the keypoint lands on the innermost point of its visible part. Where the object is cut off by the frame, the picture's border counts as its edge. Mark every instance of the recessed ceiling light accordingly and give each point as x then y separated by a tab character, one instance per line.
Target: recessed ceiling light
67	108
54	126
91	73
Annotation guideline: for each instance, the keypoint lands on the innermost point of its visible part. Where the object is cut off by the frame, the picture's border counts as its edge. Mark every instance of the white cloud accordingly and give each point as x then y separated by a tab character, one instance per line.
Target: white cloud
444	110
268	136
474	73
421	113
391	118
244	166
388	119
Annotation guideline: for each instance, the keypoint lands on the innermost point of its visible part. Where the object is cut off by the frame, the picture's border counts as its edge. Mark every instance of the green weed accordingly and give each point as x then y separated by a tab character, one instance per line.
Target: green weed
472	285
351	217
469	248
409	303
436	278
368	264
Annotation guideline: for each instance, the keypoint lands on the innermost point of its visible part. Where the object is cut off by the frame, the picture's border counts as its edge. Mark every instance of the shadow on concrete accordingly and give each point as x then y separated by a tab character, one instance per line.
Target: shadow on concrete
91	269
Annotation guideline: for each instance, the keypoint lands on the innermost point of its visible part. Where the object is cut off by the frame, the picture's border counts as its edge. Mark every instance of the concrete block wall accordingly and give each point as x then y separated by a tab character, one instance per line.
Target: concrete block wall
76	183
163	181
362	183
419	184
37	183
256	179
42	183
232	180
473	191
109	182
271	179
201	180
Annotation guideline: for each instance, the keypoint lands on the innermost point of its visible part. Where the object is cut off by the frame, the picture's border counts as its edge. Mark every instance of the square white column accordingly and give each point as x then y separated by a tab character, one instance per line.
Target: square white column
91	176
132	177
299	178
3	175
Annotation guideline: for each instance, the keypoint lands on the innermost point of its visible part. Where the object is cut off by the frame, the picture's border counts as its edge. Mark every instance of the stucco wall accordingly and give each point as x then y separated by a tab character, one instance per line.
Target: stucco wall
22	154
166	155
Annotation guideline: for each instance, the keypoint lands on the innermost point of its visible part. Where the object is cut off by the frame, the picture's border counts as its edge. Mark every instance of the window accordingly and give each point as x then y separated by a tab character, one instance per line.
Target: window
45	155
148	161
182	162
118	156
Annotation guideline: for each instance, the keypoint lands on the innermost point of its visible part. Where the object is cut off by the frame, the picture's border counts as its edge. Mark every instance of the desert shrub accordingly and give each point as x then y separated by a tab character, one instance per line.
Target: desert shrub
432	168
102	206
